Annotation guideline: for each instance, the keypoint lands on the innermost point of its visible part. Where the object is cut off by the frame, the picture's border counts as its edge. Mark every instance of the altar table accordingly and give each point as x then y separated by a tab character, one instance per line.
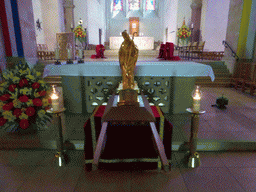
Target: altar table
127	143
143	43
167	84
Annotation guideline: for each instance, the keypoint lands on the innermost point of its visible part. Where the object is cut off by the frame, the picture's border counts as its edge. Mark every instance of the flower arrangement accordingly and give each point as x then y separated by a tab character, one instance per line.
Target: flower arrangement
184	33
23	98
80	33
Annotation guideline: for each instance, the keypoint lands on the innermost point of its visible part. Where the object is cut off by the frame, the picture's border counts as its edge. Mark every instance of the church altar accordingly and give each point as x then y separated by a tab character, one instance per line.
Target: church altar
143	43
165	84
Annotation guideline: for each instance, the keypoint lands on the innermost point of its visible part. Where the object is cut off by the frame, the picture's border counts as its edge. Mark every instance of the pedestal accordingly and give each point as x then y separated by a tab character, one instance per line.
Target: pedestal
63	39
192	158
60	155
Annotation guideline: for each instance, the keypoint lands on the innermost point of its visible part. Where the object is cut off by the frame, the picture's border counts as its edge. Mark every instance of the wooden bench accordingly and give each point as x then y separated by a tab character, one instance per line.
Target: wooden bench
43	52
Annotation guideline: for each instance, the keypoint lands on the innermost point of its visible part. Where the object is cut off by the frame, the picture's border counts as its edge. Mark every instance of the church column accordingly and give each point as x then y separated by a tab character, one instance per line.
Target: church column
69	15
237	31
196	19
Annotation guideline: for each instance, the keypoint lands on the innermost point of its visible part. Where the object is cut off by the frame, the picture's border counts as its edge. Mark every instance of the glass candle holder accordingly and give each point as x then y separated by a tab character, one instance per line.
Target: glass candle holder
69	51
196	94
55	100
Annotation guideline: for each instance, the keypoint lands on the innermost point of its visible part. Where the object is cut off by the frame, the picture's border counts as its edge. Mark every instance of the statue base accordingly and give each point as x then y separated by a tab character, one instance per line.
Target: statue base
128	97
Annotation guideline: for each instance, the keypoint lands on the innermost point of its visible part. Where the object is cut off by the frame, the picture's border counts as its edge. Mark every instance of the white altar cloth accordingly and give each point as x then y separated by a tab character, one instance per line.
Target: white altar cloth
143	43
143	68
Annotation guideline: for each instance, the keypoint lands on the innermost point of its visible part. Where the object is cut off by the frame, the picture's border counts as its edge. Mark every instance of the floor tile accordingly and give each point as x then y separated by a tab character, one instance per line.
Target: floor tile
246	177
104	181
238	159
52	179
13	177
157	181
210	179
207	159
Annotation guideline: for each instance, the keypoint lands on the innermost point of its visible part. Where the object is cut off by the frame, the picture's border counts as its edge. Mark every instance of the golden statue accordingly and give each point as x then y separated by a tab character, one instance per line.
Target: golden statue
128	55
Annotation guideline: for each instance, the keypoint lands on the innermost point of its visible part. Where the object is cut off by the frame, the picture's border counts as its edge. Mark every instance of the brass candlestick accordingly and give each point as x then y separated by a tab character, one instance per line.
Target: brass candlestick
192	158
61	156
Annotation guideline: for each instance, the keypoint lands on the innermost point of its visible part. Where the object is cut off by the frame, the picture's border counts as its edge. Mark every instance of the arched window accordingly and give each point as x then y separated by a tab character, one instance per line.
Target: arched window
134	5
118	5
150	5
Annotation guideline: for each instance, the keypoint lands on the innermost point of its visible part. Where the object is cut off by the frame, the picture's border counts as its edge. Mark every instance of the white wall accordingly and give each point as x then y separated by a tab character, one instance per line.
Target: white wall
38	15
216	21
81	11
170	20
53	19
184	10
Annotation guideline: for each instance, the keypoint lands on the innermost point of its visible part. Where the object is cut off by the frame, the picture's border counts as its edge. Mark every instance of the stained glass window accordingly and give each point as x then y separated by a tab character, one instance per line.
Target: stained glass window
150	5
118	5
134	4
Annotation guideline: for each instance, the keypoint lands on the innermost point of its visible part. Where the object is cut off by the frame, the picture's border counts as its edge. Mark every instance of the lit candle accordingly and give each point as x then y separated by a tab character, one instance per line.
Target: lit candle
55	100
192	26
71	26
196	100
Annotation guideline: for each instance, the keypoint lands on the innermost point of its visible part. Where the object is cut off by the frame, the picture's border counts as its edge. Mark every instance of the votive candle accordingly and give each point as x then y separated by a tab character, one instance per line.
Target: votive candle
55	102
69	53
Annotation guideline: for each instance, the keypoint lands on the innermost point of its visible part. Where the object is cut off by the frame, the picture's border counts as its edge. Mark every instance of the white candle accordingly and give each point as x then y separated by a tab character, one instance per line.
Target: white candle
57	54
55	102
192	26
196	103
69	53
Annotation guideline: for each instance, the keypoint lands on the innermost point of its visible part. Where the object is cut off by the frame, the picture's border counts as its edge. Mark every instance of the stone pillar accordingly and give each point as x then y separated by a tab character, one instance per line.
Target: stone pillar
232	35
196	19
69	15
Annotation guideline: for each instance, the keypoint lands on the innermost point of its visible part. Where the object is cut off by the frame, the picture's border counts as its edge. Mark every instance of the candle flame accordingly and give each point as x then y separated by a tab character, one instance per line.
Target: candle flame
54	96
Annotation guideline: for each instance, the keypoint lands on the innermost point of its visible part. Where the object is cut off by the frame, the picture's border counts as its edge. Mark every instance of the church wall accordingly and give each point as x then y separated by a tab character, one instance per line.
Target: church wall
38	15
95	20
81	11
216	20
27	26
170	20
184	11
53	19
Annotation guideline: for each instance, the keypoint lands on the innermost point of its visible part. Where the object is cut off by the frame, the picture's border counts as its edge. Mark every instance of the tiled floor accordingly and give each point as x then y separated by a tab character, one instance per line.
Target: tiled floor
27	170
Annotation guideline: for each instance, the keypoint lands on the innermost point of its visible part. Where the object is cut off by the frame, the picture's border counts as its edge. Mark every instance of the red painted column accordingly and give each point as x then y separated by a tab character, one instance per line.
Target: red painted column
6	35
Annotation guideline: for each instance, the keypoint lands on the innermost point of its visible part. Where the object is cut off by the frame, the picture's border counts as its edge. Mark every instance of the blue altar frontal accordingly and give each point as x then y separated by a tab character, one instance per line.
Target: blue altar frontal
166	84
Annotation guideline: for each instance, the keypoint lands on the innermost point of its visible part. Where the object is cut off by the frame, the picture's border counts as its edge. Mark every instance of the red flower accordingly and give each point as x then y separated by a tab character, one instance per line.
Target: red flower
42	93
23	82
30	111
47	108
24	123
17	112
35	85
37	102
12	87
5	97
2	121
8	106
23	98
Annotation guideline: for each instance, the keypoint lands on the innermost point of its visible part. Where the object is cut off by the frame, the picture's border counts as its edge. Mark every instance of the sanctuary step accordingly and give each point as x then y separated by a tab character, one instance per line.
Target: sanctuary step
88	53
221	72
